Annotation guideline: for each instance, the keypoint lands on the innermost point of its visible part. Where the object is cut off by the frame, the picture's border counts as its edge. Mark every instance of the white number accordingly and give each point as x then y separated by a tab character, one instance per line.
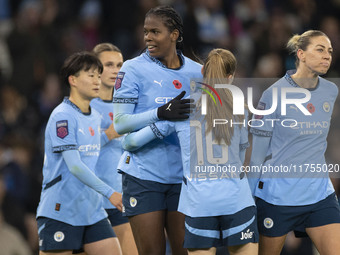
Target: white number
209	146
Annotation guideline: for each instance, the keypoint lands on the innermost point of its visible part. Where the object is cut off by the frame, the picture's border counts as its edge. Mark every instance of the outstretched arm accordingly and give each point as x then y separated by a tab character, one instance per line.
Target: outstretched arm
125	121
86	176
136	140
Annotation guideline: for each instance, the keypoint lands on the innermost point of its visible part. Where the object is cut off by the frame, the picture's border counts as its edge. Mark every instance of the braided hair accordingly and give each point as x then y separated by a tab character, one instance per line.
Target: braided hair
172	20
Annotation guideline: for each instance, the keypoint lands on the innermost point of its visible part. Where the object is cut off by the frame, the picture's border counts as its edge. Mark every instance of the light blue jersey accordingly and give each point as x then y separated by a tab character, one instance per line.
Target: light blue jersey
213	183
64	197
106	168
147	84
298	142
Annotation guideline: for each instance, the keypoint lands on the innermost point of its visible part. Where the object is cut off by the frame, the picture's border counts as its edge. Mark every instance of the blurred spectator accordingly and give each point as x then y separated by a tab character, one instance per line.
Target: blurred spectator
213	25
330	25
89	18
37	35
22	186
269	66
29	48
16	114
11	241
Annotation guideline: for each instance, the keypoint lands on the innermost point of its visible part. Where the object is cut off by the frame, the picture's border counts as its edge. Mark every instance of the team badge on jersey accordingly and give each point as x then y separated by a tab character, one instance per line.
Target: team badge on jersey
268	222
192	86
119	80
177	84
260	106
326	107
310	107
133	201
111	115
62	128
59	236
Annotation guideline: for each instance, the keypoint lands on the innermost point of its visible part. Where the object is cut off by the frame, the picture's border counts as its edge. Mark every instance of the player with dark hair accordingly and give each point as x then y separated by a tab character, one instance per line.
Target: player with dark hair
70	214
218	205
148	88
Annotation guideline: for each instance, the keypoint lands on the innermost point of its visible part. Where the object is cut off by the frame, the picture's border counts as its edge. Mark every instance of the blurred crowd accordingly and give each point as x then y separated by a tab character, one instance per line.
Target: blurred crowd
37	35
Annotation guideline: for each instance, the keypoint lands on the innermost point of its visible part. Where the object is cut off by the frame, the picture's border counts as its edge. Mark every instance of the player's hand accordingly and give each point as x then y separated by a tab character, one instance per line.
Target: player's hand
116	200
176	109
111	132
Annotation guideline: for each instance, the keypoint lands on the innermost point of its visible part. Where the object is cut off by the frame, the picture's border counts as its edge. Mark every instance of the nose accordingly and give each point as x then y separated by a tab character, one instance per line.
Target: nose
97	80
116	69
327	55
147	37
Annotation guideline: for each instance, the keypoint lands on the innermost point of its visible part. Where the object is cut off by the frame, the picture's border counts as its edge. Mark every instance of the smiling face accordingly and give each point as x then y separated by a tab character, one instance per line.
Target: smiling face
112	62
317	57
158	39
86	83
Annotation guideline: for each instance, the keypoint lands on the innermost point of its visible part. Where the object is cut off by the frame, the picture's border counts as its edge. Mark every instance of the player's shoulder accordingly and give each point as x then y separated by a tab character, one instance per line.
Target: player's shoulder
192	62
192	65
328	86
96	103
64	111
95	112
136	65
133	62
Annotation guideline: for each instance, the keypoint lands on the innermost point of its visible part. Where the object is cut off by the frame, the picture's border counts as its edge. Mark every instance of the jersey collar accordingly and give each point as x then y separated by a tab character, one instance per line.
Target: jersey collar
67	101
288	77
179	53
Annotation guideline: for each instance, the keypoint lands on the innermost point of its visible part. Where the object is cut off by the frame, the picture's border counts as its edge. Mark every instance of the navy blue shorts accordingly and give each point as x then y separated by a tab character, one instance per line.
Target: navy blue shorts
275	220
57	235
216	231
116	217
143	196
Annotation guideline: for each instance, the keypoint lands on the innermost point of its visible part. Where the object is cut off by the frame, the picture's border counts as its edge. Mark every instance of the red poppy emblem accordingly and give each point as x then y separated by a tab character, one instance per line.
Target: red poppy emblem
177	84
310	107
111	115
91	131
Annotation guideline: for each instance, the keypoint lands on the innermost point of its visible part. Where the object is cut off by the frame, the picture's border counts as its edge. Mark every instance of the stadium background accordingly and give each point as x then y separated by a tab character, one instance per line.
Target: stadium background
37	35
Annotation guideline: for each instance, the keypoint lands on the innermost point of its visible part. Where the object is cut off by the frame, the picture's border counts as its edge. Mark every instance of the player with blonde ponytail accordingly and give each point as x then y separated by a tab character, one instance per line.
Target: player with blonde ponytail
304	200
218	205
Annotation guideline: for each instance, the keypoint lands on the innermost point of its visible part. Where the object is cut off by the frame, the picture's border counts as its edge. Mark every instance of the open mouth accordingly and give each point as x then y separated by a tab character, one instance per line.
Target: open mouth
151	48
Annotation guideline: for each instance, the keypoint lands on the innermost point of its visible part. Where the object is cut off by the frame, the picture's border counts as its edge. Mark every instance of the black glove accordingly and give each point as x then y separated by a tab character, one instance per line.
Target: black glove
176	109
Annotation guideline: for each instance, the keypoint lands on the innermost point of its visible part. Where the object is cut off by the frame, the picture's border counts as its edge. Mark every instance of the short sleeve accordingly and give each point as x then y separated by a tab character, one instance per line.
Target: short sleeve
262	125
126	86
62	131
244	143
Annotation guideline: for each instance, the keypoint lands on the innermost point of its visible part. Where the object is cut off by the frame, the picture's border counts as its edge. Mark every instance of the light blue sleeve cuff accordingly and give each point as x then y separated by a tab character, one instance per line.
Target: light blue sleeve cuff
126	121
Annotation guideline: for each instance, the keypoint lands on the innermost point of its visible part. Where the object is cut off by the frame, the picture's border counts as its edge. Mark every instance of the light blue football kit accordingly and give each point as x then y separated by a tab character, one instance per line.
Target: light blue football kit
106	168
144	84
218	191
297	147
71	192
202	193
206	195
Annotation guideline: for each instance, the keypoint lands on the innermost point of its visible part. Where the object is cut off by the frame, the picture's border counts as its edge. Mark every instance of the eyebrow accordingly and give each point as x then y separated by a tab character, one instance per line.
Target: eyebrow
323	46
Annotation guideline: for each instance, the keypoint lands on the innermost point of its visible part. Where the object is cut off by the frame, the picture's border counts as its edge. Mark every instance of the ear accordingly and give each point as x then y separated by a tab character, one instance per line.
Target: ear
202	70
230	78
174	35
72	80
301	55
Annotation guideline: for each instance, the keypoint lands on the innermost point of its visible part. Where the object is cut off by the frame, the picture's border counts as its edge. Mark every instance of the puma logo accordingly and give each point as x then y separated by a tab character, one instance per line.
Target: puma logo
158	82
168	108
